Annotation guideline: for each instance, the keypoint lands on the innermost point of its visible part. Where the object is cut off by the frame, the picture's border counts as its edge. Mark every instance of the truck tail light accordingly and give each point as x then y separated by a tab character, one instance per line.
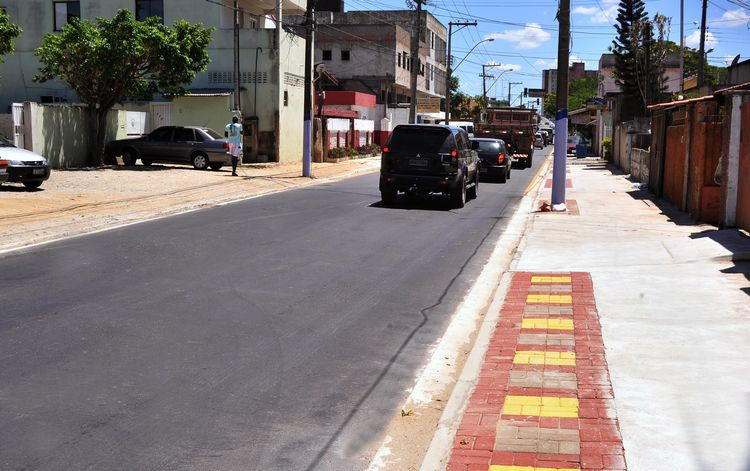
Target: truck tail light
226	146
454	153
501	158
4	163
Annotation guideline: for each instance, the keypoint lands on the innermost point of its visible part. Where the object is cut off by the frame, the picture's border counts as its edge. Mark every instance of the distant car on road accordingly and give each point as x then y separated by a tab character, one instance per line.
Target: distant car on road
22	166
422	158
538	141
573	141
201	147
495	161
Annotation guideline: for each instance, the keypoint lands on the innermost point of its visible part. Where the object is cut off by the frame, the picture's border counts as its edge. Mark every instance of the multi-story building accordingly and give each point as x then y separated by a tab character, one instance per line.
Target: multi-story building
576	71
271	66
372	51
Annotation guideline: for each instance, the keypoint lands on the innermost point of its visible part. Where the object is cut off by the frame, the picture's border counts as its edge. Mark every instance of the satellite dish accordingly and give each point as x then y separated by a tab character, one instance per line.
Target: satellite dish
735	60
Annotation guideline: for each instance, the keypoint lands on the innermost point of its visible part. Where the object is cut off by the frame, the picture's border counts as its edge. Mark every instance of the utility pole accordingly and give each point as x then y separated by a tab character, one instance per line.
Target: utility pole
415	64
682	46
561	118
448	62
702	51
237	103
309	89
510	84
484	81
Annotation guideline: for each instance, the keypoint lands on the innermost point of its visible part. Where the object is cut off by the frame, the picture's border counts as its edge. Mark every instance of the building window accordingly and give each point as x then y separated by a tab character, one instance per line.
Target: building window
286	98
148	8
64	11
326	54
399	59
344	55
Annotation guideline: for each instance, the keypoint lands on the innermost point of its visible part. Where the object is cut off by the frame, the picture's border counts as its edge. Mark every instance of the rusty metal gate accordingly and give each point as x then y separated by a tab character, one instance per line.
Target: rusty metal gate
743	189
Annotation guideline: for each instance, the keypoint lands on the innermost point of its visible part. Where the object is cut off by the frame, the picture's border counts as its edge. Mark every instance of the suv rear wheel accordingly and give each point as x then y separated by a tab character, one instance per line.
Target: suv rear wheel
474	190
458	194
389	196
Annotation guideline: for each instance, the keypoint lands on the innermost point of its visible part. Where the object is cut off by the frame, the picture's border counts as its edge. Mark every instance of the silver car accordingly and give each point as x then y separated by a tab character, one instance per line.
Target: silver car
22	166
201	147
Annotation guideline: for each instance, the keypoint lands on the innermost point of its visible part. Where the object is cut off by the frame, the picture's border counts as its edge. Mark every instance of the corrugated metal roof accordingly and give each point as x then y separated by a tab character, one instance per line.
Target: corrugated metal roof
204	92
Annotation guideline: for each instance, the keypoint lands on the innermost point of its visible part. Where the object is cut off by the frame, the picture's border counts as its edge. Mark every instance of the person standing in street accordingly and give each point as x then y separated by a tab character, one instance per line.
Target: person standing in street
233	134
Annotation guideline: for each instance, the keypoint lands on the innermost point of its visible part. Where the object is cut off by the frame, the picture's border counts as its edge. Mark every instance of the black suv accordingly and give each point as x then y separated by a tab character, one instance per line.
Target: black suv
421	158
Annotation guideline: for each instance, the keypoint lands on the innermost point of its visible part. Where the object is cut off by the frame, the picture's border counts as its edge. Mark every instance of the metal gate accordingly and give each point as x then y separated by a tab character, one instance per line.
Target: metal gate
161	115
19	122
743	188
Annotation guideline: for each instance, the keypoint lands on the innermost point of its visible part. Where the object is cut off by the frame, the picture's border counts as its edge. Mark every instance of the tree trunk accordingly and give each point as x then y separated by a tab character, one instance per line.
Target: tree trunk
98	120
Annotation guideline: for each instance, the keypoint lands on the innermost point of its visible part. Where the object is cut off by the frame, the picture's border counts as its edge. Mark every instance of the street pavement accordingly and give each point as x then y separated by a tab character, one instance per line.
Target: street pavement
275	333
622	342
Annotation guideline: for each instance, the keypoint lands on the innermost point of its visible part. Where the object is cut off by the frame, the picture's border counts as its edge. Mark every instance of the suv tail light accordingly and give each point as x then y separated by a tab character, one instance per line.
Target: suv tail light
4	163
226	146
501	158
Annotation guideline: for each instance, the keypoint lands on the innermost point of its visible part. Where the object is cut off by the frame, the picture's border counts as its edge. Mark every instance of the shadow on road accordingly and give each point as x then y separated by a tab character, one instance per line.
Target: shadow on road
419	202
17	188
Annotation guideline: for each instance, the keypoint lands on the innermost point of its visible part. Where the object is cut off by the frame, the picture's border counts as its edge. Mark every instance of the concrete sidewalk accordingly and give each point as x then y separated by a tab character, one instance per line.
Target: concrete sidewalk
671	299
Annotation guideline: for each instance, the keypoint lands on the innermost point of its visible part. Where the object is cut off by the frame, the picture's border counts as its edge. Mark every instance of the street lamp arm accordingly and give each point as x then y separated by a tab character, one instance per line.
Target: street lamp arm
470	51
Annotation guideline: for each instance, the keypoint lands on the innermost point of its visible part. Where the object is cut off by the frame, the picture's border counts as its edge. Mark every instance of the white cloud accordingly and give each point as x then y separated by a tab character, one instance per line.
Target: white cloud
694	40
733	18
606	14
530	37
501	67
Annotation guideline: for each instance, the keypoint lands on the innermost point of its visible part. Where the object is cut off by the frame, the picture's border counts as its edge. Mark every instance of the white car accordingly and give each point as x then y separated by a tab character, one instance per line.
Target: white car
22	166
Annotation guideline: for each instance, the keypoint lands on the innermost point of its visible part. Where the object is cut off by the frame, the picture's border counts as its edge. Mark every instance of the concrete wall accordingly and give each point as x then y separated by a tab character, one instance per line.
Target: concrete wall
61	132
6	125
291	69
639	165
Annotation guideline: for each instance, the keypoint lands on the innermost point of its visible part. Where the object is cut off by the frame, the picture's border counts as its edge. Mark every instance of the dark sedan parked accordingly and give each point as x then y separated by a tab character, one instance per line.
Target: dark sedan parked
495	158
201	147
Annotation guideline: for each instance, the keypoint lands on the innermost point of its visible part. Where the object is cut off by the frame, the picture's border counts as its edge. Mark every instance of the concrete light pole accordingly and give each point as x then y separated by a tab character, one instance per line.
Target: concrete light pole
448	71
309	90
415	64
561	118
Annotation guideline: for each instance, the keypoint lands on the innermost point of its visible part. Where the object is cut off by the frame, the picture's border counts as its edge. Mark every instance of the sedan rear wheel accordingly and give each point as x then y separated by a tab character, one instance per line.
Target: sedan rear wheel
32	185
129	157
200	161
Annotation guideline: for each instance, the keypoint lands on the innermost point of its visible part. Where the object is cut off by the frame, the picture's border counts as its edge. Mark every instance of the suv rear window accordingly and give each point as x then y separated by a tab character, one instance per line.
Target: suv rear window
426	140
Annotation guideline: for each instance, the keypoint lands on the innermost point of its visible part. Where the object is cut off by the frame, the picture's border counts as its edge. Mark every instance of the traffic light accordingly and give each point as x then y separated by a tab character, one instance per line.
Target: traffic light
538	102
525	92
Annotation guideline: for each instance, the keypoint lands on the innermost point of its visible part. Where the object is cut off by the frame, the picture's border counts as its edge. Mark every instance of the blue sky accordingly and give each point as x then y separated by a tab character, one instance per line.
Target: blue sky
525	34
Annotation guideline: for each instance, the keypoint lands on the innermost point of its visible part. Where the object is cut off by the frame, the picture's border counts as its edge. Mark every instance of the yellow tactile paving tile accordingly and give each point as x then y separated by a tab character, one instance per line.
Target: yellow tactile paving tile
499	467
533	357
542	406
551	279
549	299
545	323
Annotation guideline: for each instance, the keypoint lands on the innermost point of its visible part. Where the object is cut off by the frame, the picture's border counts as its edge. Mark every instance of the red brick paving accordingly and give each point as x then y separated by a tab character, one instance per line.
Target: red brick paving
597	425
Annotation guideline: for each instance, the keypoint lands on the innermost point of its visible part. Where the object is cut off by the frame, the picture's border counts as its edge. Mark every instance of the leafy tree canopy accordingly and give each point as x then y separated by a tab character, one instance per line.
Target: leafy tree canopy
105	60
8	34
579	91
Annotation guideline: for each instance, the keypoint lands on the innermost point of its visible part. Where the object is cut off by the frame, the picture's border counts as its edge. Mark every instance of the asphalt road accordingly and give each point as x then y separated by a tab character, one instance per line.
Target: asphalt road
276	333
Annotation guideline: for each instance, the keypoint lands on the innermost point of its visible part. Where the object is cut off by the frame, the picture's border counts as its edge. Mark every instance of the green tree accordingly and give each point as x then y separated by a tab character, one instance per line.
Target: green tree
692	61
581	90
106	60
630	17
550	105
8	34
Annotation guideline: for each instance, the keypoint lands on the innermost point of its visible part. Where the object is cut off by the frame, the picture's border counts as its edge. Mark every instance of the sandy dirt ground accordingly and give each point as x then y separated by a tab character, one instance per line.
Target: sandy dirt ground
74	202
